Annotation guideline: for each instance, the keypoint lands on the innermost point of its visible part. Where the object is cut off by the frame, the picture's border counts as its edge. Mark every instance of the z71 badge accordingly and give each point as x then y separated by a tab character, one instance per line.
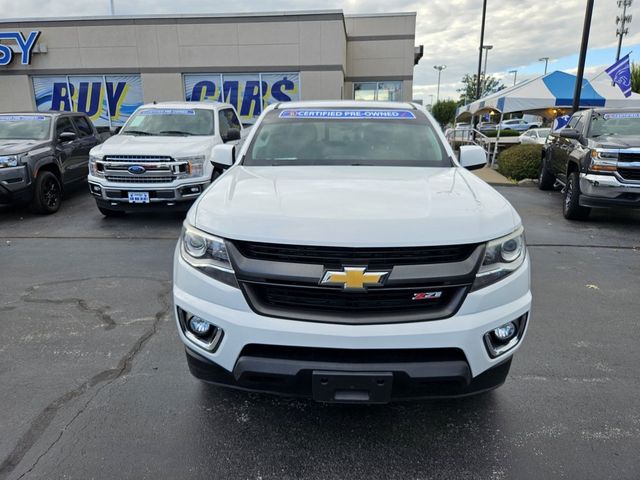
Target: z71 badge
426	295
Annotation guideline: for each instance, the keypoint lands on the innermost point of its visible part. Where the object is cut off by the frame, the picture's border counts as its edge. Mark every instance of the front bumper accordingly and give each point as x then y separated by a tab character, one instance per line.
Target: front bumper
226	307
15	185
608	191
115	195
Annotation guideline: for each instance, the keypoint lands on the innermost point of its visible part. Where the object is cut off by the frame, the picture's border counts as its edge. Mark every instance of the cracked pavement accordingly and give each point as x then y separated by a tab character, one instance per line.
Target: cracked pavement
94	384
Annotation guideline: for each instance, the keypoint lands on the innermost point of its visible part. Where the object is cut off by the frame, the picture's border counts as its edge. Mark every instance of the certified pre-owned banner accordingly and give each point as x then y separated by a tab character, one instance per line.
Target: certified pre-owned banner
243	91
108	99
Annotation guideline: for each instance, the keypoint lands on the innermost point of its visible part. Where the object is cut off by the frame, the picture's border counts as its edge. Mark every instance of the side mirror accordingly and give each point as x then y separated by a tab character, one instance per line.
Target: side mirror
571	133
232	134
472	157
224	155
66	137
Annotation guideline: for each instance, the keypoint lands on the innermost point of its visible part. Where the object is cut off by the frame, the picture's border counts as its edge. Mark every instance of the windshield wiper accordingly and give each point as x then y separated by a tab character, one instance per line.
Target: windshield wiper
135	132
174	132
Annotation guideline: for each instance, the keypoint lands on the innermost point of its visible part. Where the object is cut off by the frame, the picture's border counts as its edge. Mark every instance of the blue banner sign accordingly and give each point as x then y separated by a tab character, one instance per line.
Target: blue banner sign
22	118
347	114
168	111
24	44
249	93
108	100
622	115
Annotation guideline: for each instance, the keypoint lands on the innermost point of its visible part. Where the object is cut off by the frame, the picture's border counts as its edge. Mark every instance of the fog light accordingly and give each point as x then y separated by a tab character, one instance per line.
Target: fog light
199	326
505	332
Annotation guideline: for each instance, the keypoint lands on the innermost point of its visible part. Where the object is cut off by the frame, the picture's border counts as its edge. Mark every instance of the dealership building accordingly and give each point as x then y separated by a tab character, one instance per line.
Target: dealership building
108	66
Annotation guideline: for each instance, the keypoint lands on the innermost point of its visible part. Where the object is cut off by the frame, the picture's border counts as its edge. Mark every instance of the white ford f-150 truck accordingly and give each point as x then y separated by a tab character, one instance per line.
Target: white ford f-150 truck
346	255
161	158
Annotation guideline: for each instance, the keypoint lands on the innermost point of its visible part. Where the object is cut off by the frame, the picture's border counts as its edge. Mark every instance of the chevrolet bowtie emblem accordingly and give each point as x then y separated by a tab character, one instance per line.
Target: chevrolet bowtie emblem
353	278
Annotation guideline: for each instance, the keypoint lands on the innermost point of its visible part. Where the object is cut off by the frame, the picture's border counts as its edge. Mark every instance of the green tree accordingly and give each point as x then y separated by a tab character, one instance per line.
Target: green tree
469	87
444	111
635	77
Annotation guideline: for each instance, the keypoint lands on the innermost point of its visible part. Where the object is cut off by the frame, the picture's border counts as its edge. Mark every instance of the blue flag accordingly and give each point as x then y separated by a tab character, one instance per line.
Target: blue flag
620	73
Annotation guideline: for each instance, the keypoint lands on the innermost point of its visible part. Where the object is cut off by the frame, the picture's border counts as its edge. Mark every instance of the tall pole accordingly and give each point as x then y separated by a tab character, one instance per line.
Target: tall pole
546	62
113	7
583	54
439	68
484	16
622	31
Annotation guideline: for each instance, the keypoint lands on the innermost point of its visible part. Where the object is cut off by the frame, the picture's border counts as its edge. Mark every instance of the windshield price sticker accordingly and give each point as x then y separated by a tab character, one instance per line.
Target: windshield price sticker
348	114
22	118
622	115
168	111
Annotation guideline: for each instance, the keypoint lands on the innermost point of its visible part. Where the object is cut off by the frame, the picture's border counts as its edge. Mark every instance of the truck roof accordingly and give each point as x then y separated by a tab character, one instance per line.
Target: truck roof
204	105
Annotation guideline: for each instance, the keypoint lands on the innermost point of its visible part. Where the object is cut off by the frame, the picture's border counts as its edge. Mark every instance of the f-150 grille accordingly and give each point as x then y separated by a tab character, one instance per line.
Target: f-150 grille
629	173
138	179
365	256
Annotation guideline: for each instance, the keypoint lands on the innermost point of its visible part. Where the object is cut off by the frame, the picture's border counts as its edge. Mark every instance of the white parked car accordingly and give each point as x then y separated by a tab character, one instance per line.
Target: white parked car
518	125
348	256
161	158
535	135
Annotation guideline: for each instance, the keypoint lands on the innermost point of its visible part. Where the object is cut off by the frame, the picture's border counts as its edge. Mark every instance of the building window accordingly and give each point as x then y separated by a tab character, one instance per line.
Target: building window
381	91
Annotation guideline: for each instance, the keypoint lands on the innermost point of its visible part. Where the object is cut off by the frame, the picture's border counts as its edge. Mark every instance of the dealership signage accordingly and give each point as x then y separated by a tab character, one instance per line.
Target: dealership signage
249	93
25	46
108	99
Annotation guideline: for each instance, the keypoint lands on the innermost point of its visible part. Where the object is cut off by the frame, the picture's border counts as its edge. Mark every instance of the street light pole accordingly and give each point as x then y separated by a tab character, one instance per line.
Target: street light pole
484	16
583	54
112	7
486	56
439	68
622	20
546	61
515	75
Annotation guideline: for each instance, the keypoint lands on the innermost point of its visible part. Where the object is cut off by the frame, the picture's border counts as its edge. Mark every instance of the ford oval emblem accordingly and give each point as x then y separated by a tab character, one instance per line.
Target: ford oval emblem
136	169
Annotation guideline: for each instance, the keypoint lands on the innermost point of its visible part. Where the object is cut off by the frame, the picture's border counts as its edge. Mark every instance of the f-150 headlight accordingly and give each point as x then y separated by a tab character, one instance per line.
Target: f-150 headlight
502	257
93	168
603	161
208	254
9	161
195	166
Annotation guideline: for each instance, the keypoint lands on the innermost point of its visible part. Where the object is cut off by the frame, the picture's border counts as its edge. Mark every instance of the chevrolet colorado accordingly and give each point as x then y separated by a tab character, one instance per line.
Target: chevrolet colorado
346	255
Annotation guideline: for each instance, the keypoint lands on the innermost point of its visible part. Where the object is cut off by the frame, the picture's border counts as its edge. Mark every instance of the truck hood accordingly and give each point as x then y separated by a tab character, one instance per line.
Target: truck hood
173	146
11	146
353	206
618	141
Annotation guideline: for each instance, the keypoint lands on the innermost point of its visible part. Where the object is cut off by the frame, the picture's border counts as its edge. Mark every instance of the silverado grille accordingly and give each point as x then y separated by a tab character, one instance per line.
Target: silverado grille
629	173
368	256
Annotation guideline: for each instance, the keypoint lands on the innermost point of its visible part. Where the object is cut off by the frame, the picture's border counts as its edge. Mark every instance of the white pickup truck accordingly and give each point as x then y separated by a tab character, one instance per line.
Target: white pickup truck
348	256
161	158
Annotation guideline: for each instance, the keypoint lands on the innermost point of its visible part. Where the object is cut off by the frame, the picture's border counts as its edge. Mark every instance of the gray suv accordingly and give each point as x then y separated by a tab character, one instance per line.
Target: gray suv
41	154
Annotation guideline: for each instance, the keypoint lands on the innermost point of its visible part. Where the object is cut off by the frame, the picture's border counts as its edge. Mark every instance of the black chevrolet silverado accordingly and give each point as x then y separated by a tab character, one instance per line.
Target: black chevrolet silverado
596	159
41	154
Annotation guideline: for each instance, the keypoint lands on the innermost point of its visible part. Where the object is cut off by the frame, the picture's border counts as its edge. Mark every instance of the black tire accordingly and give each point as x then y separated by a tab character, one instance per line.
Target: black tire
571	207
111	213
546	180
47	194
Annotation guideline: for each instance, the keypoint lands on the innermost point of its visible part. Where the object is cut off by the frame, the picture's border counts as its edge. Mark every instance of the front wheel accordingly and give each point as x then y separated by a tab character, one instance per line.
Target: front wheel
47	195
571	206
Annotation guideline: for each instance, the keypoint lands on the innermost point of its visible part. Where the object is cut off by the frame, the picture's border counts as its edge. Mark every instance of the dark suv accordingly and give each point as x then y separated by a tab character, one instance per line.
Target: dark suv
596	158
40	154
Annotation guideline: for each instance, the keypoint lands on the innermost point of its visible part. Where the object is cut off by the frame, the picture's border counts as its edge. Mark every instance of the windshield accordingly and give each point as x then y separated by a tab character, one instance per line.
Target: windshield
627	123
334	136
544	132
170	121
24	127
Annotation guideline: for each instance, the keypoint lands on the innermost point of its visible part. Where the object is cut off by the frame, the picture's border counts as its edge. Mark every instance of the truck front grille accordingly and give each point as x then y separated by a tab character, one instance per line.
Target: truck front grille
629	173
138	179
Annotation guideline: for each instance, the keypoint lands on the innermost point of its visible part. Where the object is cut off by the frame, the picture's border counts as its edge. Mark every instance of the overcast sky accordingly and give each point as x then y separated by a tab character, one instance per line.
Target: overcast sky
521	31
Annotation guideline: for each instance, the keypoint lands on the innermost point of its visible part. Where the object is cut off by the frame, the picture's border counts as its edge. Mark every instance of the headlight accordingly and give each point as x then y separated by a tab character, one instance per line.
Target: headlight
502	257
603	161
208	254
93	168
9	161
195	166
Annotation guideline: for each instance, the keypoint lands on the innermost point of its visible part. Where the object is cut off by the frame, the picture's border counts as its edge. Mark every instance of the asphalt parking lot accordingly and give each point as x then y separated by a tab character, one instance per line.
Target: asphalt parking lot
94	383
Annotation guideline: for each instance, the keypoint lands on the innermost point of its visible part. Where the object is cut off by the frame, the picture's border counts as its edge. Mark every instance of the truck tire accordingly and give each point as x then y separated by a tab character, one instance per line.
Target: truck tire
546	180
111	213
571	207
47	194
